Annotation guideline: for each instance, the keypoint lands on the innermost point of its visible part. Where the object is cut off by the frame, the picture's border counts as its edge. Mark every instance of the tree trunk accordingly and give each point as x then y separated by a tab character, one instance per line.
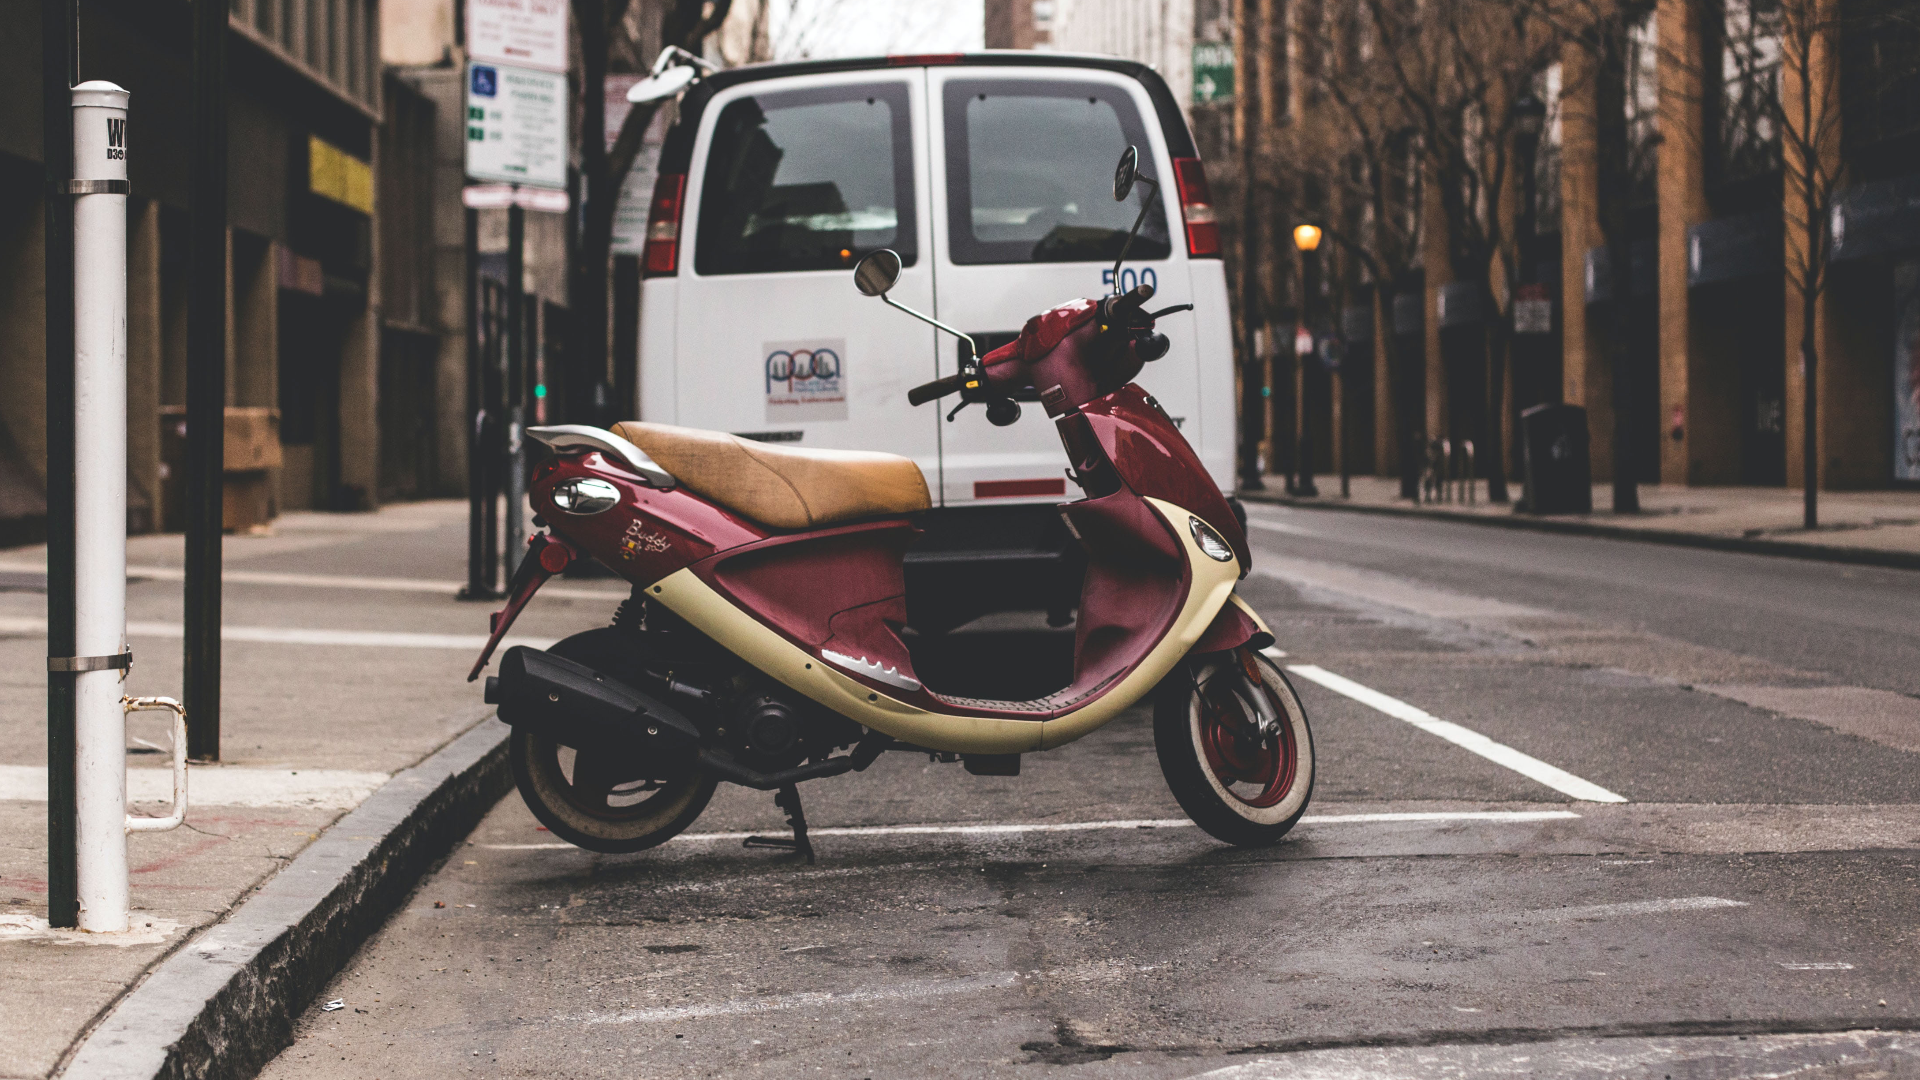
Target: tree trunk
1810	408
1497	342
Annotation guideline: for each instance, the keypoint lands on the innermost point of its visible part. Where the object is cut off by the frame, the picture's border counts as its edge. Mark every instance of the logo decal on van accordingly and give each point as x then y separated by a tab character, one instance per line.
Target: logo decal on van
805	380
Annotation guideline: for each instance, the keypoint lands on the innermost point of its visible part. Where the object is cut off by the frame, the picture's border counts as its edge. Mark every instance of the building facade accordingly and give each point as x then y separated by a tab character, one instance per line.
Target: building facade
1687	358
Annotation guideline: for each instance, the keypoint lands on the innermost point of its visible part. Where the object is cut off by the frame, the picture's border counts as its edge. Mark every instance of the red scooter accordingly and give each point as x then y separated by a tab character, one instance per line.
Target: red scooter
763	643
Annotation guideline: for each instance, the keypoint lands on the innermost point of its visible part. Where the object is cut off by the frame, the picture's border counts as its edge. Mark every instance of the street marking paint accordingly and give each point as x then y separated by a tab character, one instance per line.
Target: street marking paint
1090	826
1467	739
922	988
1824	965
1274	653
1277	527
221	785
300	635
332	581
1728	1056
1637	907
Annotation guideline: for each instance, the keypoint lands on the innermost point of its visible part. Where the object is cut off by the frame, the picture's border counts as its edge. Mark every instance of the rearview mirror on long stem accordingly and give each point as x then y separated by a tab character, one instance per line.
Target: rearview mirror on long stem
877	274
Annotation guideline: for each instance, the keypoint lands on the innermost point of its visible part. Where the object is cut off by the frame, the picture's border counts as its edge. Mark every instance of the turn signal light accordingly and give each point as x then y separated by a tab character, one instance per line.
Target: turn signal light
1196	208
662	257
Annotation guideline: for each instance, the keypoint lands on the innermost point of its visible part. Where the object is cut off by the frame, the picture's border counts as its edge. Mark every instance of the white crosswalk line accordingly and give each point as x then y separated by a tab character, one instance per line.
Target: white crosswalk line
1467	739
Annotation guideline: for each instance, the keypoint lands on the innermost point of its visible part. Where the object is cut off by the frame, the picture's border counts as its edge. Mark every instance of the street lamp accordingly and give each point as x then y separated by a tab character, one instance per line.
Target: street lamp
1307	239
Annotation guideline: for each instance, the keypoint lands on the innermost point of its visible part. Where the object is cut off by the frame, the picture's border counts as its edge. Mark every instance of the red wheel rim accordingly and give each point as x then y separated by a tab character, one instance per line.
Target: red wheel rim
1253	770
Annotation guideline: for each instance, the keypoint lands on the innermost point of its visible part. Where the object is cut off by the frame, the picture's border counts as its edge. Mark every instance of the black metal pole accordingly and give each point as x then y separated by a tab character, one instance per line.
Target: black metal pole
1309	288
516	388
59	43
479	586
206	376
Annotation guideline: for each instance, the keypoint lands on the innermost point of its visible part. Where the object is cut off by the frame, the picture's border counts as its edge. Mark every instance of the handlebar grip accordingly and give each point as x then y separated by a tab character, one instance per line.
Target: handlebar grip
938	388
1134	297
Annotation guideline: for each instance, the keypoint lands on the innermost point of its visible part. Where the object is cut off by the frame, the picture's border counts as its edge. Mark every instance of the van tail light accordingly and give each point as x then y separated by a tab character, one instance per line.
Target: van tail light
663	225
1196	208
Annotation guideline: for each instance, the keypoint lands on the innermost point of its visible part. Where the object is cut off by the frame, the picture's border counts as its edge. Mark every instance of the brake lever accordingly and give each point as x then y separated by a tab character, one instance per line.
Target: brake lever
955	411
1175	309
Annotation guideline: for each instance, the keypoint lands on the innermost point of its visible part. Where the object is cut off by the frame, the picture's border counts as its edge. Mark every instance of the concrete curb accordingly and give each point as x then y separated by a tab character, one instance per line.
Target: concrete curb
225	1003
1898	560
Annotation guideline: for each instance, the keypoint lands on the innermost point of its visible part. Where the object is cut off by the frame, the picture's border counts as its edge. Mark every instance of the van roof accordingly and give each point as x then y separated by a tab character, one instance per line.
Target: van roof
676	156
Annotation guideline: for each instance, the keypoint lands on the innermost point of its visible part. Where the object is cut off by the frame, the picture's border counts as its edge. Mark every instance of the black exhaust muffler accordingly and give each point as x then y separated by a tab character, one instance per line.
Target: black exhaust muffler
579	707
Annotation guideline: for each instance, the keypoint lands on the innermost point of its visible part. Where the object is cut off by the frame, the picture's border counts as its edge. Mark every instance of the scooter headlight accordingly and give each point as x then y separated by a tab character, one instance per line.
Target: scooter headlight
585	495
1209	541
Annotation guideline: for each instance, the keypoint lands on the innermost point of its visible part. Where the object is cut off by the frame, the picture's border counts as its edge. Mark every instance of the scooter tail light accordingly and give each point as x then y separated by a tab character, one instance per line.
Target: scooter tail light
662	257
1196	208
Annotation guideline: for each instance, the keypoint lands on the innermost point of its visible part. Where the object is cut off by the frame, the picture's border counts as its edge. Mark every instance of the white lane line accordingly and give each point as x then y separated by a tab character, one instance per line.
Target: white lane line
300	635
1090	826
1274	653
1277	527
331	581
1467	739
223	785
1822	965
922	988
1637	907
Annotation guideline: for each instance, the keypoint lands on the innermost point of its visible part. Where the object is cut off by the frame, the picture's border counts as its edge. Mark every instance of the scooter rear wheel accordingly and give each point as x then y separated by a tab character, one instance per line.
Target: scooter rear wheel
600	801
1241	787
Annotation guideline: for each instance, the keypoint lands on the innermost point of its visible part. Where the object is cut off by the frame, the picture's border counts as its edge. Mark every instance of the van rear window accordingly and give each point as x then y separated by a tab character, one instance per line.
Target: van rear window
1030	173
808	180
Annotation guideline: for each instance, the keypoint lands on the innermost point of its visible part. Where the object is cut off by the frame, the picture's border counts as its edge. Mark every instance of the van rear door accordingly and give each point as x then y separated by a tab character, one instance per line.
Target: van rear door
793	181
1023	161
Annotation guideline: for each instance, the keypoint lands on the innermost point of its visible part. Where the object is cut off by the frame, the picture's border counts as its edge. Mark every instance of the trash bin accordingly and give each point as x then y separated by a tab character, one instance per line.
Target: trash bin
1559	474
252	449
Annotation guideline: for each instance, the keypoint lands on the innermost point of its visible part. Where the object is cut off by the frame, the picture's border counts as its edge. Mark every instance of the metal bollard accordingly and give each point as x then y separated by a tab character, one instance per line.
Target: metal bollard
100	505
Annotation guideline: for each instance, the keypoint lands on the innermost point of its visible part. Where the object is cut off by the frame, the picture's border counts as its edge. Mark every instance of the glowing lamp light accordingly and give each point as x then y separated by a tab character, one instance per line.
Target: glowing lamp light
1306	237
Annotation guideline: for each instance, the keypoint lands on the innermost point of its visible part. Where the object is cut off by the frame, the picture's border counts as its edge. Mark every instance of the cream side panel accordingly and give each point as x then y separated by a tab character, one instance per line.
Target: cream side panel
693	600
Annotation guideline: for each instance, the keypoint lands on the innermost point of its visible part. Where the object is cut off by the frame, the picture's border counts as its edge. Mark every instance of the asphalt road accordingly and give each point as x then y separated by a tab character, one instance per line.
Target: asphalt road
1744	904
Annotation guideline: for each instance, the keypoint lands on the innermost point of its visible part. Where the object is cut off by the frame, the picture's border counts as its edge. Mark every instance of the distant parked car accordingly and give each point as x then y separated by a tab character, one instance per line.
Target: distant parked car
988	173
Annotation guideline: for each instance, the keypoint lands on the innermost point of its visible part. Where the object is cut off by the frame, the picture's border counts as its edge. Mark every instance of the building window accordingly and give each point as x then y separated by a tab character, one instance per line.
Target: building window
1746	55
1642	102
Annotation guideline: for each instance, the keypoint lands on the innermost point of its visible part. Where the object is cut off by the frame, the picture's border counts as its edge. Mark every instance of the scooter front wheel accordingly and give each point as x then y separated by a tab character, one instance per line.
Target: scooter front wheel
1242	784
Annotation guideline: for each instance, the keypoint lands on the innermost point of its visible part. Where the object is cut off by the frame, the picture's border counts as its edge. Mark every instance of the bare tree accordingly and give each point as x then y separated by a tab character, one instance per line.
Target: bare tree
1788	55
1365	162
1456	69
607	33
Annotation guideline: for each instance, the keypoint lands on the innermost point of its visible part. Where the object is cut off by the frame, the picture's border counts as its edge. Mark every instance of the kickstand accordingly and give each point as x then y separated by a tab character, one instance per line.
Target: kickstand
788	799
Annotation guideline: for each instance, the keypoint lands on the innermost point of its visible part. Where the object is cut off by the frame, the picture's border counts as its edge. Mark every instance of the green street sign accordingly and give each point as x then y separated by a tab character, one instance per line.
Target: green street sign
1212	72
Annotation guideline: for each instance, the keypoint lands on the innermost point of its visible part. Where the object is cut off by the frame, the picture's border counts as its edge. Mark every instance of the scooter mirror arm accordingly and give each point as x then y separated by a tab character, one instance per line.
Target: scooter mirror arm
1139	220
973	351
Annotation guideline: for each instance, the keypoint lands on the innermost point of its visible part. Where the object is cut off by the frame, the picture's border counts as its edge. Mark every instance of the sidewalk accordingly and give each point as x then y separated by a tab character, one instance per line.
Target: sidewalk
1874	527
349	667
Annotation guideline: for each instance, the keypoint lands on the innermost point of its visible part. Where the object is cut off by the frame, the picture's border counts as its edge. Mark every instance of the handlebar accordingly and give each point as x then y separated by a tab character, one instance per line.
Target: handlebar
936	389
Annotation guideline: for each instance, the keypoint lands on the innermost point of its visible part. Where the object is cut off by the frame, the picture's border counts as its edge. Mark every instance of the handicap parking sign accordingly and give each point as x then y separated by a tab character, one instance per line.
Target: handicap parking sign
486	81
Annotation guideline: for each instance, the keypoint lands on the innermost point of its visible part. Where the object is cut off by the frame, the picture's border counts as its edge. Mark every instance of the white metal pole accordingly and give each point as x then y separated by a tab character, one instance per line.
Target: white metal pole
100	486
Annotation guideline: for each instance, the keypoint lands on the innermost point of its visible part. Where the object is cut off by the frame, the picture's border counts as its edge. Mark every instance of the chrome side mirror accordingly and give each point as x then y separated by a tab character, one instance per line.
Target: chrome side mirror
876	274
1125	172
664	85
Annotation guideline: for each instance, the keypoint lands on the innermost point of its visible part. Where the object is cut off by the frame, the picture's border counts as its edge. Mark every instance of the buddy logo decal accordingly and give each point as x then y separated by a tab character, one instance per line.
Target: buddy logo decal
638	540
805	380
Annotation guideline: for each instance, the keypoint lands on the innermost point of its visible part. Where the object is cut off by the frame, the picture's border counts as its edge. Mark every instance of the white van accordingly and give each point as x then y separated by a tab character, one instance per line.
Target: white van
990	173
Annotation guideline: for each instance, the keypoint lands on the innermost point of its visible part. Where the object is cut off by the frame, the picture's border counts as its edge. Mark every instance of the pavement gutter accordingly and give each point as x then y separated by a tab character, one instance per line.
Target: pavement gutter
1898	560
225	1003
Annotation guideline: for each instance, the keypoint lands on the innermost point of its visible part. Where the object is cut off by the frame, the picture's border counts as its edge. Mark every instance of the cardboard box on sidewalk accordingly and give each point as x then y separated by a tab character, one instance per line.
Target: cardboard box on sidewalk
251	450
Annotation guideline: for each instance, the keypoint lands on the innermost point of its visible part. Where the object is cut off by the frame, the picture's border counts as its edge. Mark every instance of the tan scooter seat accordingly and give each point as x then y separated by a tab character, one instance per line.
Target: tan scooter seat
782	487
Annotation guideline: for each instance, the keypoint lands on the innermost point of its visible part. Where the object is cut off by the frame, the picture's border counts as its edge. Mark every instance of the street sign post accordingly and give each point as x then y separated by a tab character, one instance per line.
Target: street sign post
516	125
1212	72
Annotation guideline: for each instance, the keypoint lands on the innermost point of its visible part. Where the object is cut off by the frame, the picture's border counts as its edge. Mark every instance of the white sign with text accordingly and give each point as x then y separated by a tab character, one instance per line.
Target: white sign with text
516	125
524	33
